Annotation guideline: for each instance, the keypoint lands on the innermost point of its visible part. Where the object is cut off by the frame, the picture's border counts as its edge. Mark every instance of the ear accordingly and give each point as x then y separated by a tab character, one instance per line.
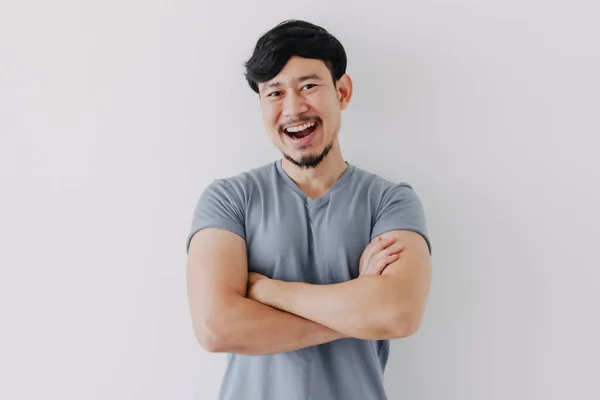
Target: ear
344	91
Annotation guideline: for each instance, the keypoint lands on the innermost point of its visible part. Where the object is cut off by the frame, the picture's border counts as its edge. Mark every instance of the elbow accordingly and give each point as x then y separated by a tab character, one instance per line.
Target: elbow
408	327
402	324
210	336
208	343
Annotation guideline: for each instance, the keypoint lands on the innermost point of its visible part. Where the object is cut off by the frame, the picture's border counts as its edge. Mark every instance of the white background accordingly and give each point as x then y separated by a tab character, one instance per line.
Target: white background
114	116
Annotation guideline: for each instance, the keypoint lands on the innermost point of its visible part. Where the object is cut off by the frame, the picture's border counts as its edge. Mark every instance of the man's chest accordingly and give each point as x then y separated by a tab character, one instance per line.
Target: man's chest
294	241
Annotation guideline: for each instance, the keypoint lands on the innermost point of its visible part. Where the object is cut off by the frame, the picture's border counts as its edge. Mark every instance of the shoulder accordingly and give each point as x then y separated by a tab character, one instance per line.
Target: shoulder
379	186
240	187
396	205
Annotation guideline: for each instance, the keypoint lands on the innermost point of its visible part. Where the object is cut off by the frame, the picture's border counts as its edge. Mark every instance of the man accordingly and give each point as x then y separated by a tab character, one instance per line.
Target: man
302	270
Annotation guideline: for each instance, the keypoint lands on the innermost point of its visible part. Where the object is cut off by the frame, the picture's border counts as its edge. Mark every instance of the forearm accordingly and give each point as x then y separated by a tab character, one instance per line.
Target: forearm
248	327
365	308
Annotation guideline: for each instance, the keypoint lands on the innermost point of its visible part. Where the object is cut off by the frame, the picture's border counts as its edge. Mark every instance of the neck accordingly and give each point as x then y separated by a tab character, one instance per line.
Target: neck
316	181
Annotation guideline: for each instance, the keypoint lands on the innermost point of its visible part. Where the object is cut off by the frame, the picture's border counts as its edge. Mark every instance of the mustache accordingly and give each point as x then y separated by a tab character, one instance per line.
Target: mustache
301	119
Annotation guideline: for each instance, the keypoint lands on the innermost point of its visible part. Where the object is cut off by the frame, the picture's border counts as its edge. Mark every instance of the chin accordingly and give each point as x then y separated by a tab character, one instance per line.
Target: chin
307	161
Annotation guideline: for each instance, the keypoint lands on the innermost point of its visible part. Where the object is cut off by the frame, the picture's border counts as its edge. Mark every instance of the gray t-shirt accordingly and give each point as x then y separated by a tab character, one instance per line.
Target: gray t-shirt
292	237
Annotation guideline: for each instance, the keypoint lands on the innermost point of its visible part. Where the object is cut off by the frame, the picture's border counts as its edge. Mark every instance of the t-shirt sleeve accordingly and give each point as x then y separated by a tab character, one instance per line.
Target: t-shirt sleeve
400	209
219	206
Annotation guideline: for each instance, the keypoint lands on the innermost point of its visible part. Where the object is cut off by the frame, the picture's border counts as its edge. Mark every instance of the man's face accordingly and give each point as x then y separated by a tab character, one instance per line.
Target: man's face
301	110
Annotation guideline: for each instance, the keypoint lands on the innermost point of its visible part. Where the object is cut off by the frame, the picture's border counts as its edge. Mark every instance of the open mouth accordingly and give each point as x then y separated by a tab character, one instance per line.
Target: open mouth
301	131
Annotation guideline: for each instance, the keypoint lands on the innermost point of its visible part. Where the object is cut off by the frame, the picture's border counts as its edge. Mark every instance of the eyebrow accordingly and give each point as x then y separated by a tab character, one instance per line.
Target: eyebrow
298	80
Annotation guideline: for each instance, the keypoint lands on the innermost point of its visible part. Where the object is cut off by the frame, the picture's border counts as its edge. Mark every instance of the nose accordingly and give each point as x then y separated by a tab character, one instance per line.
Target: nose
293	104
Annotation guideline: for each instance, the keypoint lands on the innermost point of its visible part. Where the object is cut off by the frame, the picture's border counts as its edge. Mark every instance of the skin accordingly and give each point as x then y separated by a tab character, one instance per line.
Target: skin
237	312
228	316
304	91
388	305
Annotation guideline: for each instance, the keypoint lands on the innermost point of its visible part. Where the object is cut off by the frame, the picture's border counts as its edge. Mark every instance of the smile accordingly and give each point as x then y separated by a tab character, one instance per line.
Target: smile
301	131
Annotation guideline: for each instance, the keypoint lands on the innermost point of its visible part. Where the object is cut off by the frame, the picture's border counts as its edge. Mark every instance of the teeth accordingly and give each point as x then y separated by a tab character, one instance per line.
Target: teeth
300	127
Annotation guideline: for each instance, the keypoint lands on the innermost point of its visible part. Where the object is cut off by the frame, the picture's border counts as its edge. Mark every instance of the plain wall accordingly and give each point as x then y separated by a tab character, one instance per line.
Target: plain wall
115	115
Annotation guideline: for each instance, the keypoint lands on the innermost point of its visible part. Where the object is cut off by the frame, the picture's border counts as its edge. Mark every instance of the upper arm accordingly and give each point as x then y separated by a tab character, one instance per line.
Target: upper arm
217	269
400	209
410	275
217	262
400	214
217	273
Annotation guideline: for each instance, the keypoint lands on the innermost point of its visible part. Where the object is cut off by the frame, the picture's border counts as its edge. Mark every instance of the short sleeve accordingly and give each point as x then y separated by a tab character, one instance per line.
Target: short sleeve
400	209
219	206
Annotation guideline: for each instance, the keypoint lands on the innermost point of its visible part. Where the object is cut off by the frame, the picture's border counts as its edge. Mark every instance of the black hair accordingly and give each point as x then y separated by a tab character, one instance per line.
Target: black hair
294	38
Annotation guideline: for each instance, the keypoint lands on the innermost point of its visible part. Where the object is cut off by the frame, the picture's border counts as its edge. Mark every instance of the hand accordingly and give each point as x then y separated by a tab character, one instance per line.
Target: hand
378	254
256	283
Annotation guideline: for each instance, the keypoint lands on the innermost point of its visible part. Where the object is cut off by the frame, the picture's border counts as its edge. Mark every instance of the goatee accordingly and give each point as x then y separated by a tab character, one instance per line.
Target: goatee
309	161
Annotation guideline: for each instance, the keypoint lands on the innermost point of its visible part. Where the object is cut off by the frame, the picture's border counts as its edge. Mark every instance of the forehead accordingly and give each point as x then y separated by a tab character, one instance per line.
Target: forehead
297	69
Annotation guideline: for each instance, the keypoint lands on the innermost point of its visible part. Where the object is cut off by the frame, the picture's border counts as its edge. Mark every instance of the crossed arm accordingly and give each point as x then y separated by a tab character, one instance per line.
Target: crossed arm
270	316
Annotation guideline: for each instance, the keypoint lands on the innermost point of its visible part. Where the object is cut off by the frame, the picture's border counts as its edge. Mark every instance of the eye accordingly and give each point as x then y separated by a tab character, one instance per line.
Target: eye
307	86
273	94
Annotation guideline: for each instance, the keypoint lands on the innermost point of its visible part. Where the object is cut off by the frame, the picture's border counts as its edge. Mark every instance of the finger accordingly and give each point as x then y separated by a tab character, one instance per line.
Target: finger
380	262
366	264
394	249
366	256
376	247
381	244
364	268
383	262
378	244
